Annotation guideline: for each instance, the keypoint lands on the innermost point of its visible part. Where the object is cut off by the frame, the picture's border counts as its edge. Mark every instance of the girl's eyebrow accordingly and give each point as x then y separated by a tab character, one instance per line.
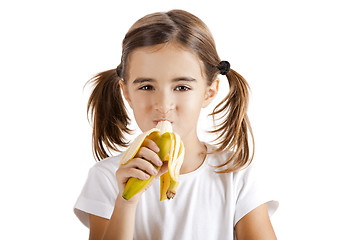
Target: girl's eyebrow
178	79
185	79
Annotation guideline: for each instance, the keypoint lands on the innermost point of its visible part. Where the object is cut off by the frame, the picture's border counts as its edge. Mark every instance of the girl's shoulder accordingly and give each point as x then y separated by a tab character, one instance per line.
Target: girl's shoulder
216	158
221	158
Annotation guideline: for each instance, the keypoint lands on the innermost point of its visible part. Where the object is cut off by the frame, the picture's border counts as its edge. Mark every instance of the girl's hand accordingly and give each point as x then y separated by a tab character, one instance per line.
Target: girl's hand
141	167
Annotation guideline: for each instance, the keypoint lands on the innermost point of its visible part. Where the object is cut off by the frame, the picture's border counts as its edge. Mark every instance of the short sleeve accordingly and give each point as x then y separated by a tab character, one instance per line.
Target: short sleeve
97	196
251	193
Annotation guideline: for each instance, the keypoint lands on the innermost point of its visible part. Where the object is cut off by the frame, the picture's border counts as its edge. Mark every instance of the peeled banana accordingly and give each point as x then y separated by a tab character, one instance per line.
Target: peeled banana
171	150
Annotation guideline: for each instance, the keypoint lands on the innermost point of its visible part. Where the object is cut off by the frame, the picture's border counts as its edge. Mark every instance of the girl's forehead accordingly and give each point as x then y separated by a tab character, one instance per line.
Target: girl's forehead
172	51
164	59
172	46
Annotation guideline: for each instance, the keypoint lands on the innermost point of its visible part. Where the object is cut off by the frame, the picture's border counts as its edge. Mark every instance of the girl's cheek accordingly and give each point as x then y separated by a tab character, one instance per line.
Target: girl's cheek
142	101
191	101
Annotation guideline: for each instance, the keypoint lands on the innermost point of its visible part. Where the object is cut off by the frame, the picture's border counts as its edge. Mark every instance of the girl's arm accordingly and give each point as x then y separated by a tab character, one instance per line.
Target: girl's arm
119	226
122	222
255	225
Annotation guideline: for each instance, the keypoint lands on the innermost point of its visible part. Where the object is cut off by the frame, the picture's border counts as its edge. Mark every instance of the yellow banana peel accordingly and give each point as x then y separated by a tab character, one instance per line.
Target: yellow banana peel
171	150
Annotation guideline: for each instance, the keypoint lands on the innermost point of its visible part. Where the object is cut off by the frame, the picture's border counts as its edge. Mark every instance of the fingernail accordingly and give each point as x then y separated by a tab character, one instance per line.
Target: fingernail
157	149
159	163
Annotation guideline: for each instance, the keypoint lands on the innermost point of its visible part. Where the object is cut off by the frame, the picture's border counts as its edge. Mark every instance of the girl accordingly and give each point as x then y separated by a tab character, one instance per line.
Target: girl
169	71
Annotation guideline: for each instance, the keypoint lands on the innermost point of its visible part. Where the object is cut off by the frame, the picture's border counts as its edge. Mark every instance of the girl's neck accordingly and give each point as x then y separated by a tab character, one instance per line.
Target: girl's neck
194	155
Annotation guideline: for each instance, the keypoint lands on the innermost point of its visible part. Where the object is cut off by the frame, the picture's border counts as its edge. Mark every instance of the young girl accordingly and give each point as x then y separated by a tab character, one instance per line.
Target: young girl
169	71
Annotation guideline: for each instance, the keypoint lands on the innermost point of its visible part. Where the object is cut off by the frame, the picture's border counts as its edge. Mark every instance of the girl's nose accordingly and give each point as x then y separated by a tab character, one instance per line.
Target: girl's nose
164	102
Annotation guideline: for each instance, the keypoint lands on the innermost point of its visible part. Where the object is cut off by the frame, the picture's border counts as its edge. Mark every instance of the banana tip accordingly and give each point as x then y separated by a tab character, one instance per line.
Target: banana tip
170	195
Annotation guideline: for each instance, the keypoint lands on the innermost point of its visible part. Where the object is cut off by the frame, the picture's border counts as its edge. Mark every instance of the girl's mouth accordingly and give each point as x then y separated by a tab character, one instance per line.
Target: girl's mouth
160	120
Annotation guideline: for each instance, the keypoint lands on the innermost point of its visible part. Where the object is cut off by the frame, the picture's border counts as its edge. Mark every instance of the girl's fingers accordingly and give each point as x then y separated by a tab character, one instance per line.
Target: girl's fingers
137	173
125	172
163	169
151	145
150	155
143	165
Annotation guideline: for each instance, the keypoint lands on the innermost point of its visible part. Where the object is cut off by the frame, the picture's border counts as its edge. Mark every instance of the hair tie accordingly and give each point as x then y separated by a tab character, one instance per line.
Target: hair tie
118	70
224	67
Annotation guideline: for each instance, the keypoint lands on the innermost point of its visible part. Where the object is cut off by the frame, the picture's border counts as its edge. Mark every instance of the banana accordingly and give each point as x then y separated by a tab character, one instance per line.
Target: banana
171	150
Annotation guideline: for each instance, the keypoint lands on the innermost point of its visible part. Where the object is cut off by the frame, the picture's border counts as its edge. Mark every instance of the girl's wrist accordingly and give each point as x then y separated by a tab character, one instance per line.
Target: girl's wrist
122	221
129	204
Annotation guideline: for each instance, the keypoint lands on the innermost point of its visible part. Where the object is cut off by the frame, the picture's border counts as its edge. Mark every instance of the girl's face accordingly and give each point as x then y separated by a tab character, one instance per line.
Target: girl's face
165	82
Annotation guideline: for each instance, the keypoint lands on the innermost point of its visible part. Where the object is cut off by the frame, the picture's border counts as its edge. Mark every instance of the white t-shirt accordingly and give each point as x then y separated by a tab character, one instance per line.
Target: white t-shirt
207	205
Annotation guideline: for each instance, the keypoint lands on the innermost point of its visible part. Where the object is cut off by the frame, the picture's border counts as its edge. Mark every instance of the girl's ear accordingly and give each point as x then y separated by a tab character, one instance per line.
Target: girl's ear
211	92
125	92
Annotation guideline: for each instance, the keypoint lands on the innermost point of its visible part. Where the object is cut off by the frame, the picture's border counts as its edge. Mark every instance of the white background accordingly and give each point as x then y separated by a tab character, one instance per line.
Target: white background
301	59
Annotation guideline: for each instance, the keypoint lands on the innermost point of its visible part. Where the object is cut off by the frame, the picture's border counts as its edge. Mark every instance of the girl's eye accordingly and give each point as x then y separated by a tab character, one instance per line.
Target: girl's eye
182	88
147	87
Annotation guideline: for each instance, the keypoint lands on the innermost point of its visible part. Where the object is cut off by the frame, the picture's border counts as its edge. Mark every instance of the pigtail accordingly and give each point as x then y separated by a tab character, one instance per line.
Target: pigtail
108	114
233	129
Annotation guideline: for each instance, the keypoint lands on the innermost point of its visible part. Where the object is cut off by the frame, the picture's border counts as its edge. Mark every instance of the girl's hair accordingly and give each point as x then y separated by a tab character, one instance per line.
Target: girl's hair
110	119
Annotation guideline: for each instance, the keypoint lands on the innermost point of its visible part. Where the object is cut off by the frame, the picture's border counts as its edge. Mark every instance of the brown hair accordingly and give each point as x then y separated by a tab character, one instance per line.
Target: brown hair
110	119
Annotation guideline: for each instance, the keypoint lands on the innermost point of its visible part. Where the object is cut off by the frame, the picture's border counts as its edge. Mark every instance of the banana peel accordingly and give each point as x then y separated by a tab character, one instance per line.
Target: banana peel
171	150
